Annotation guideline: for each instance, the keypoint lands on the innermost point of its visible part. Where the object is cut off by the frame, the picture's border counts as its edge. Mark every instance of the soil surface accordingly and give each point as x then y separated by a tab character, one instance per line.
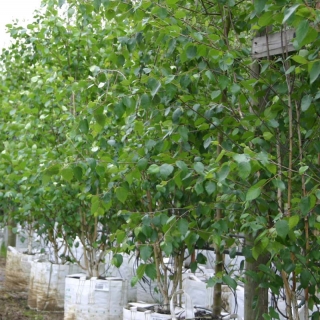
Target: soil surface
13	305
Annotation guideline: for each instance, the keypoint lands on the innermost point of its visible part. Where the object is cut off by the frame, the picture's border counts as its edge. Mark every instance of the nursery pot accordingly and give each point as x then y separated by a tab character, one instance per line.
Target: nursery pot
47	285
18	268
94	299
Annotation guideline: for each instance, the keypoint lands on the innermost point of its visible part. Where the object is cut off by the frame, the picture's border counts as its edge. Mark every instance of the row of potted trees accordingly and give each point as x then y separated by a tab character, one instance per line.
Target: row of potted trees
142	136
66	286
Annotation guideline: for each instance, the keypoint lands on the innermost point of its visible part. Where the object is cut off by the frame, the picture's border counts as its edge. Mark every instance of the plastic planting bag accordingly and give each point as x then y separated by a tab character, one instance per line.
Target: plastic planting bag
94	299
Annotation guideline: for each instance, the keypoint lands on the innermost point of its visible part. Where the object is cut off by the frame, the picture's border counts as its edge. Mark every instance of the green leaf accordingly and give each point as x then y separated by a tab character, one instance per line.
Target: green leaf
134	280
229	281
290	70
210	187
199	188
99	212
171	2
223	173
264	242
302	31
100	119
61	3
97	4
282	228
139	127
183	225
153	169
154	85
145	252
241	157
145	101
244	170
293	221
199	167
271	167
176	115
100	170
191	239
128	102
201	258
162	13
117	260
84	126
211	282
121	235
303	169
259	5
273	313
142	164
167	248
166	170
95	204
77	171
253	193
191	52
266	19
310	37
119	110
67	174
183	132
185	80
35	79
53	170
307	203
110	14
305	277
256	251
182	165
140	270
151	271
122	194
279	184
215	94
306	102
289	12
299	59
267	135
314	71
45	179
94	69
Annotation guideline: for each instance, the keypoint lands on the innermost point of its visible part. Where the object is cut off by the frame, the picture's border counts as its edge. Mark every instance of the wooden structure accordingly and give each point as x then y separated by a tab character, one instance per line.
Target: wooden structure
273	44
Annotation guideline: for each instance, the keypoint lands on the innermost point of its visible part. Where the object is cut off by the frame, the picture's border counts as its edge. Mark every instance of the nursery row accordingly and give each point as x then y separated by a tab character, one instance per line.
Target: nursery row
67	288
148	129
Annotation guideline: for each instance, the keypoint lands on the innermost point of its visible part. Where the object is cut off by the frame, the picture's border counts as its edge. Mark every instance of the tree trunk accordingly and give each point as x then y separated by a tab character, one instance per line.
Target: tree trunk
217	294
252	292
217	299
11	235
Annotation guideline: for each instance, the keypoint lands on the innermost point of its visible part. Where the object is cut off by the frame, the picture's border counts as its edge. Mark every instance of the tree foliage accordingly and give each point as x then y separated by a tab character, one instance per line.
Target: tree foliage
121	106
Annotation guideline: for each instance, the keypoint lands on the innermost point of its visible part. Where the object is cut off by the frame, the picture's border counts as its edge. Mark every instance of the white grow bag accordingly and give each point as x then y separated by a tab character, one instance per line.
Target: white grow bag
94	299
202	296
147	291
125	271
47	285
18	268
137	311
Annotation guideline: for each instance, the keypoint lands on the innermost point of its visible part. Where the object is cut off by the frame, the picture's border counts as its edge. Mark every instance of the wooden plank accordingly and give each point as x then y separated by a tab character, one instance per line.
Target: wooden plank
277	44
